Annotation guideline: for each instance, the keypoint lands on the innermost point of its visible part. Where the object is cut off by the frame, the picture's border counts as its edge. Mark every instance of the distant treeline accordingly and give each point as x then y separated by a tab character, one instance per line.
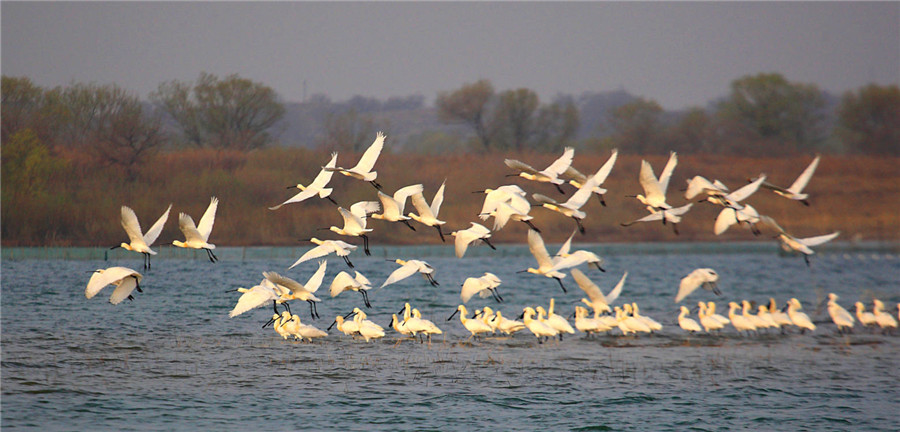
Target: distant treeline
71	156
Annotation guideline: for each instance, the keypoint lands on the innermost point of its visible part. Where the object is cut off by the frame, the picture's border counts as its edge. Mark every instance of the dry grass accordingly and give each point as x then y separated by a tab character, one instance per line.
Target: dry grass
859	196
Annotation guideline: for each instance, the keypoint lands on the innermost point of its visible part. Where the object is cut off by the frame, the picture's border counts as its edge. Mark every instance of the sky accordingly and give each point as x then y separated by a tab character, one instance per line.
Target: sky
679	54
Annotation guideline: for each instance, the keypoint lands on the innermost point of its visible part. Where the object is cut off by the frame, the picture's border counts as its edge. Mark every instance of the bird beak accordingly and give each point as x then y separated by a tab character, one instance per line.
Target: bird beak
332	325
452	315
271	321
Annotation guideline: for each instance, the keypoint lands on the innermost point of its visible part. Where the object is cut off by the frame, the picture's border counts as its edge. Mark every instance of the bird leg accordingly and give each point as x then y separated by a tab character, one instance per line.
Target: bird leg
531	225
806	258
561	284
406	222
431	279
580	226
560	189
365	298
347	260
495	295
366	244
597	264
675	228
332	201
602	201
488	242
137	285
375	183
440	233
312	309
212	257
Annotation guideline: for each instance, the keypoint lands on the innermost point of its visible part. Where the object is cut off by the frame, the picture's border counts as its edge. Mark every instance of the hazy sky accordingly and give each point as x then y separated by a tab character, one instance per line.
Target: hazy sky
677	53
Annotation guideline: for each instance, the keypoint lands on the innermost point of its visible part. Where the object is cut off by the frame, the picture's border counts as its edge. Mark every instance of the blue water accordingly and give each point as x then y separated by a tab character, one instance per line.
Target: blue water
172	359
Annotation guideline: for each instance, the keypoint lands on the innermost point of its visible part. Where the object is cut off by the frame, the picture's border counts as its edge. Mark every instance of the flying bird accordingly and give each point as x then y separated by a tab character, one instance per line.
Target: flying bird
316	187
125	279
196	237
795	190
547	175
141	242
705	277
428	214
363	169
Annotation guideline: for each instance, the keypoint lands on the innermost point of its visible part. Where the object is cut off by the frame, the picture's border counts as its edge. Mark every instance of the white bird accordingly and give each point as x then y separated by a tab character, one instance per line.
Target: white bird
316	187
197	237
650	322
884	319
547	175
343	282
558	322
598	302
671	215
506	203
587	324
475	234
654	196
765	316
566	258
545	264
841	318
629	324
506	325
538	328
289	289
392	206
799	318
474	326
305	331
125	279
867	319
483	286
255	297
746	217
423	326
790	243
708	322
795	190
409	268
572	207
428	214
368	330
400	326
780	317
349	328
279	325
141	242
739	322
687	324
325	247
711	311
578	179
718	194
705	277
363	169
355	221
747	312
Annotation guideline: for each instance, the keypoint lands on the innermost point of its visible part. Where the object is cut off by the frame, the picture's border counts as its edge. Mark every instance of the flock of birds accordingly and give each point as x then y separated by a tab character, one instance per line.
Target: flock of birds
504	203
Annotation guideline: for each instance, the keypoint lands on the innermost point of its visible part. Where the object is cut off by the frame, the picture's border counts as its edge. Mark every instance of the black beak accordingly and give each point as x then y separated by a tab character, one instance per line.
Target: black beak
452	315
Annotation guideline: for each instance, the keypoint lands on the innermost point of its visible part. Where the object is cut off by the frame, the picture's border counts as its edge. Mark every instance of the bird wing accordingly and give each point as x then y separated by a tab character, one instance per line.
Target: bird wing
697	185
104	277
590	288
567	246
544	199
649	182
537	248
405	271
801	181
438	200
727	217
208	219
666	173
302	196
363	209
367	161
324	175
689	283
252	299
285	282
186	225
559	165
315	281
403	193
124	288
574	174
469	288
340	282
678	211
654	215
607	167
421	206
815	241
462	240
747	190
131	225
581	196
614	294
520	166
364	281
316	252
153	233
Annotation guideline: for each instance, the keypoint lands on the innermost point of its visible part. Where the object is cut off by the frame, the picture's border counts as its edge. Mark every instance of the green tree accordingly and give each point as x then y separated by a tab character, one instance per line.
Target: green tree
469	105
230	113
869	120
22	103
637	126
775	109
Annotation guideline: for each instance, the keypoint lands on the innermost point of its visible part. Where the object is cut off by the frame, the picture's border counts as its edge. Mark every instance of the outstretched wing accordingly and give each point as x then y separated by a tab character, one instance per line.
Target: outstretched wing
367	161
340	282
208	219
801	181
124	288
747	190
186	225
538	249
438	200
316	252
153	233
649	183
405	271
815	241
666	173
131	225
589	287
315	281
614	294
559	165
252	299
520	166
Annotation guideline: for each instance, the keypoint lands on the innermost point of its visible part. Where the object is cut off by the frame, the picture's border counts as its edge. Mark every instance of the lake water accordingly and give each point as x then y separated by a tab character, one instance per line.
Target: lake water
173	360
